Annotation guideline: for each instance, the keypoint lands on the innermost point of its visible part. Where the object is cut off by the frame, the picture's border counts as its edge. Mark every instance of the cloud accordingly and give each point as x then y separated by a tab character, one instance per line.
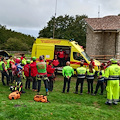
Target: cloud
34	14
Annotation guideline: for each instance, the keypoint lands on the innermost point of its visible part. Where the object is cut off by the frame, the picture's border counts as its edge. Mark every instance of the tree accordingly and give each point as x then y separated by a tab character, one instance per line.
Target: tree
66	27
15	44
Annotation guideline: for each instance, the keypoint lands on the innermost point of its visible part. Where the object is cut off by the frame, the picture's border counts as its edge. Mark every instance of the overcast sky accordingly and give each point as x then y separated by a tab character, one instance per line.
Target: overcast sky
30	16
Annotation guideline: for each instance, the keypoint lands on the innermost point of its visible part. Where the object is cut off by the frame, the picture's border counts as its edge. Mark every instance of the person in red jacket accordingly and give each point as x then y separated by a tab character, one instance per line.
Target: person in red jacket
61	56
34	72
55	63
50	75
92	62
27	74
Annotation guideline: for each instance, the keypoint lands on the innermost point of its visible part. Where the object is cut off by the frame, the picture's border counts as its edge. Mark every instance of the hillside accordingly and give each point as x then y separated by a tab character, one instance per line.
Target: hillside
11	40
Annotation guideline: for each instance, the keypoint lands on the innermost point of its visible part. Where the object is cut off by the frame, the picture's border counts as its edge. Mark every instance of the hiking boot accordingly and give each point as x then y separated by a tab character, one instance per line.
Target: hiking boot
94	94
101	93
115	103
107	103
47	93
81	93
63	92
75	92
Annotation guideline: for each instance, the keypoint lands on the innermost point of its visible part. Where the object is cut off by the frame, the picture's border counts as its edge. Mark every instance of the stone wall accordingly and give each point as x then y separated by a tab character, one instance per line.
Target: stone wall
102	43
94	42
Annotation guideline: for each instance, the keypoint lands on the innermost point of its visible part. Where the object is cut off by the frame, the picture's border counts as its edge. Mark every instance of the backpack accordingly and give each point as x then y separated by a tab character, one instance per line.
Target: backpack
41	98
14	95
14	69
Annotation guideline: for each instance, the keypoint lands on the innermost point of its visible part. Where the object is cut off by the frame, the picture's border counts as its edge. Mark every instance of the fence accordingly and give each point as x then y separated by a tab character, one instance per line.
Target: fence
104	58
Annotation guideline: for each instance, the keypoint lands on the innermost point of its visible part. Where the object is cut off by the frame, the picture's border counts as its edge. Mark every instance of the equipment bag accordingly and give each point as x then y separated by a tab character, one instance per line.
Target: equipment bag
41	98
14	95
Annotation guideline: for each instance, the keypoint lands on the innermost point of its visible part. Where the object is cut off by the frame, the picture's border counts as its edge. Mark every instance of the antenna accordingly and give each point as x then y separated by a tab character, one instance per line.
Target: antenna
99	11
54	19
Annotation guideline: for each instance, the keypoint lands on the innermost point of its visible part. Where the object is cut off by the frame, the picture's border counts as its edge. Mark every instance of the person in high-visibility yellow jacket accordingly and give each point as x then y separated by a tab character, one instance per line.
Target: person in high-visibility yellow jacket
3	70
81	73
67	72
10	62
113	74
100	82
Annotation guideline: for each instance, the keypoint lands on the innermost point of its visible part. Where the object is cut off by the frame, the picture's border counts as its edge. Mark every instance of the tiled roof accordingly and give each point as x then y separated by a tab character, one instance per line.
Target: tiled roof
105	23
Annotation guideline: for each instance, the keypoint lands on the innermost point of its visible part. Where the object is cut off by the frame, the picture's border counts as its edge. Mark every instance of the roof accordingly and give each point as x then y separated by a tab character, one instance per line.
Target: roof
108	23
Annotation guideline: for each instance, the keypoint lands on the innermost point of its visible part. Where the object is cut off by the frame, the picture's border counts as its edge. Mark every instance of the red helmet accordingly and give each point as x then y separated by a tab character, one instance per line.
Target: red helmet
17	60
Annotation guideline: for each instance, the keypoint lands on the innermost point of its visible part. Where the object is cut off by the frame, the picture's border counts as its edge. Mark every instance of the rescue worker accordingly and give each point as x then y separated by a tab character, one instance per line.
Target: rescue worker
42	74
23	62
18	73
113	74
10	62
92	62
100	82
27	74
50	75
90	75
55	63
34	72
3	69
67	73
80	72
61	56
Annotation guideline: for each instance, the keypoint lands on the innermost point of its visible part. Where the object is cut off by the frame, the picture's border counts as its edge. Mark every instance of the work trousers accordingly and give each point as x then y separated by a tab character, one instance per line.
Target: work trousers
79	80
99	83
45	83
27	84
11	76
66	80
4	73
62	62
34	83
45	80
90	85
112	90
50	84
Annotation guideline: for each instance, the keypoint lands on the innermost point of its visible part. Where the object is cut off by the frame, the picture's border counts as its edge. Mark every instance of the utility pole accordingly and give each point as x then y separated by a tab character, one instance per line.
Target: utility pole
54	20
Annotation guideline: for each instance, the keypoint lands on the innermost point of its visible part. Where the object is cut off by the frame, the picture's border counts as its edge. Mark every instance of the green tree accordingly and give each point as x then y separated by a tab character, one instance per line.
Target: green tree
16	45
6	34
66	27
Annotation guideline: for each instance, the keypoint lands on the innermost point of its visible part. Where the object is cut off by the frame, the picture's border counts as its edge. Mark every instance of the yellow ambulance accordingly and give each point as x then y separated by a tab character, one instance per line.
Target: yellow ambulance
74	52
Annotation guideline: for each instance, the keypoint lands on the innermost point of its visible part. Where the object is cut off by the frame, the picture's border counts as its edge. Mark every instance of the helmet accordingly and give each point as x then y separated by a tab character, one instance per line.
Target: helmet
28	61
33	58
113	60
17	60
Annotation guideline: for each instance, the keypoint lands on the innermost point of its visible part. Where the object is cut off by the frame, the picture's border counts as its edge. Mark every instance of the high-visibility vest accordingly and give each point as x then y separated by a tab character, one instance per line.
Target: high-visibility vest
41	67
1	68
24	61
90	75
81	72
103	75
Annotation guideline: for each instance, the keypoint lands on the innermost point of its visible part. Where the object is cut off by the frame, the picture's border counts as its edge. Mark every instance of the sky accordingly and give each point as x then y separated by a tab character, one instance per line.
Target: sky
31	16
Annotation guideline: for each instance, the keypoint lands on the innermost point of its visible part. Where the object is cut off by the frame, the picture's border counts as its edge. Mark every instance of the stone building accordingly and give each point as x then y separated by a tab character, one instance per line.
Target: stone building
103	36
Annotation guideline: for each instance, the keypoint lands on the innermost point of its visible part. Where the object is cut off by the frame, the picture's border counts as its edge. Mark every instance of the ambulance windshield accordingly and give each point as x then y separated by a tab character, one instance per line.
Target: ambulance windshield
86	55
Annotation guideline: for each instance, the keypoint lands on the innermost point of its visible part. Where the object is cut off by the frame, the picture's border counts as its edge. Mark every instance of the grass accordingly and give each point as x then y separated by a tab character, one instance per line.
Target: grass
61	107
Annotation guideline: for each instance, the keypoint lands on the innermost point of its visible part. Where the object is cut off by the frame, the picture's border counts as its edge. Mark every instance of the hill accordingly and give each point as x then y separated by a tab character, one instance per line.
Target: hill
13	41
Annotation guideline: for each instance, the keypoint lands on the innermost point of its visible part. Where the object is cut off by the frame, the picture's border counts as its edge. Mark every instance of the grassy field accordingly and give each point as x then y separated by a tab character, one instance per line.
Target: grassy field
61	107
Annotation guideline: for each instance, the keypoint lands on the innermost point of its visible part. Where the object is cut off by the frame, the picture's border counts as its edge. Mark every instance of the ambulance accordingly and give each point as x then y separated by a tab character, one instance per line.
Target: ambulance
74	52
